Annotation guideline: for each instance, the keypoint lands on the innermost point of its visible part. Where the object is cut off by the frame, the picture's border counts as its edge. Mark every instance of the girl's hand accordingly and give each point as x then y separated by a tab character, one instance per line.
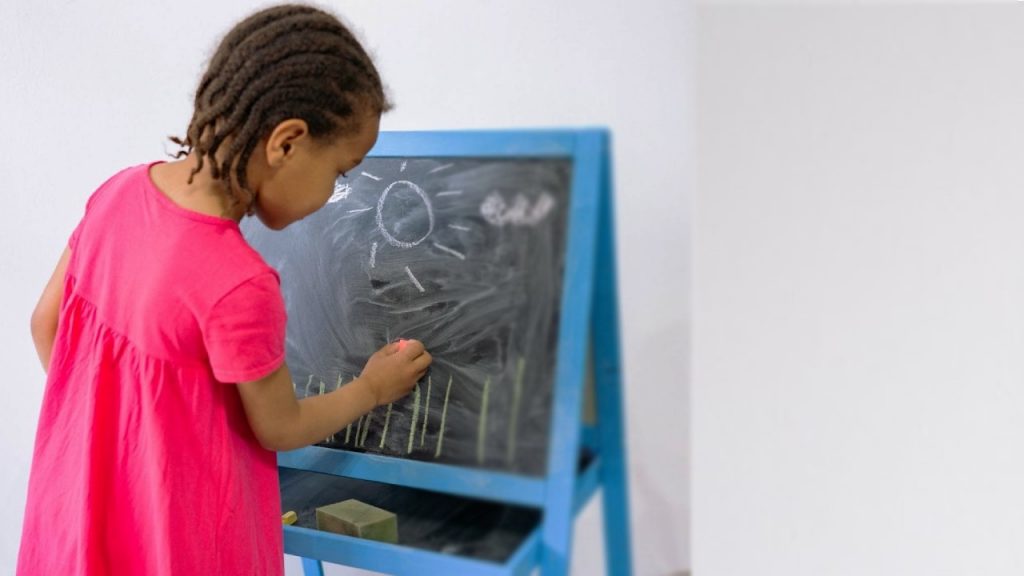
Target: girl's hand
392	371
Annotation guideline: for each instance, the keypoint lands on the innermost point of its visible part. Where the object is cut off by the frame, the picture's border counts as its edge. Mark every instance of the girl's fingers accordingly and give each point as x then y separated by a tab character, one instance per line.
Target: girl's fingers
412	348
423	361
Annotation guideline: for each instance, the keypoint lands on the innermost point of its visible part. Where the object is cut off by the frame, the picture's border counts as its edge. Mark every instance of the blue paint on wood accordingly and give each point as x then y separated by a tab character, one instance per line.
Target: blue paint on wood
312	567
608	388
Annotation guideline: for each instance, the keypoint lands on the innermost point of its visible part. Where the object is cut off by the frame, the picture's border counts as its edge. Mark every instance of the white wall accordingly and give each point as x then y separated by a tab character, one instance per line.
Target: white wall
88	88
858	388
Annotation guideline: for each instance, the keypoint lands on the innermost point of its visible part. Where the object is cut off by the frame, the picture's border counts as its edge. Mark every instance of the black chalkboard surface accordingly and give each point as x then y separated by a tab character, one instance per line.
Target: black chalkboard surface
464	254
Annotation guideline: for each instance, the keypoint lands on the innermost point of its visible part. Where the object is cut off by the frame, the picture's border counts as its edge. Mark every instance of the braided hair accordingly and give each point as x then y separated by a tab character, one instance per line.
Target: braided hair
288	61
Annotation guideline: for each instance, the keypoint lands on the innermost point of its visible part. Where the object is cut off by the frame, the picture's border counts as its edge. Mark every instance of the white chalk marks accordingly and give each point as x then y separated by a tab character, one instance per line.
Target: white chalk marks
444	416
517	394
380	214
406	216
384	434
414	429
481	434
448	250
341	191
521	213
414	280
426	412
415	417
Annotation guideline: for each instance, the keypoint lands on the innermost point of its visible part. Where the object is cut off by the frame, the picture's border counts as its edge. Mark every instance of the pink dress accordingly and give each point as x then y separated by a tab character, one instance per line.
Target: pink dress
144	461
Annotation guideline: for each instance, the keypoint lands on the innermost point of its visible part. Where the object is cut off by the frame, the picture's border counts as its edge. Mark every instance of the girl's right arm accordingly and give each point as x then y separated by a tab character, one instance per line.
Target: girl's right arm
280	422
44	317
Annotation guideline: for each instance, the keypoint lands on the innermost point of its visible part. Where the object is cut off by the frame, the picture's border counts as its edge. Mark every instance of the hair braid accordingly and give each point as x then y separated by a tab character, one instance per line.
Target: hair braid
249	53
235	36
288	61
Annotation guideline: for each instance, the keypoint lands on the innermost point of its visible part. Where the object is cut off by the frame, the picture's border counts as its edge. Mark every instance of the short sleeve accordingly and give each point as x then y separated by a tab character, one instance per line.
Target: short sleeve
73	239
245	330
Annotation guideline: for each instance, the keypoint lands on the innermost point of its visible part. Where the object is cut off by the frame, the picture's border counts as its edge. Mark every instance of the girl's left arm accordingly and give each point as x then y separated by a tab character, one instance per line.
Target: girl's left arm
44	317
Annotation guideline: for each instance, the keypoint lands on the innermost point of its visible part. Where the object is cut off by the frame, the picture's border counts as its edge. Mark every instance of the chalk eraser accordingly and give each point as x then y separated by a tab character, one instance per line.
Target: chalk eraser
355	518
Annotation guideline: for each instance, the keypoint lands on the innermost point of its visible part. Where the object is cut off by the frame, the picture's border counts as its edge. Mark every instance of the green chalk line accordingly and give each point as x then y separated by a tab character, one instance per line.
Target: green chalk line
415	417
384	435
359	429
336	386
328	439
444	413
366	428
348	428
482	428
517	393
426	413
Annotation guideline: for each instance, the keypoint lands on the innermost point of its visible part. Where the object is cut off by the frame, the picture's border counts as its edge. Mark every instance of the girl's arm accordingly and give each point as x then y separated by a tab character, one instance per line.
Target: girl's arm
44	317
280	422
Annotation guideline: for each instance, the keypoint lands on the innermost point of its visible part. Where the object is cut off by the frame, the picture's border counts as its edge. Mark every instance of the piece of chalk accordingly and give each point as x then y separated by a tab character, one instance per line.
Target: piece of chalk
401	344
355	518
289	517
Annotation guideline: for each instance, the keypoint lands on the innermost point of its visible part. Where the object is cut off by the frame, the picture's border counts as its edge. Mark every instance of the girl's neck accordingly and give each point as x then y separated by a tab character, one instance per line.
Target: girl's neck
205	195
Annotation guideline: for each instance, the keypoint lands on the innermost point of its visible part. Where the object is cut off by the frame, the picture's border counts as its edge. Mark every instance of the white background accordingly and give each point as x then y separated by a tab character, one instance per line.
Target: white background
91	87
858	385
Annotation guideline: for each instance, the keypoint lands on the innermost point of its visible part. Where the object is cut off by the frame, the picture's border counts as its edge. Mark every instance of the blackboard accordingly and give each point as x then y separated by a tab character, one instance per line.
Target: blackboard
464	254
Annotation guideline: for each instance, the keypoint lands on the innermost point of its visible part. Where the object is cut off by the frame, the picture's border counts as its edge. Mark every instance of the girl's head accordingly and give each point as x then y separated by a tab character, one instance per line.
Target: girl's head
290	100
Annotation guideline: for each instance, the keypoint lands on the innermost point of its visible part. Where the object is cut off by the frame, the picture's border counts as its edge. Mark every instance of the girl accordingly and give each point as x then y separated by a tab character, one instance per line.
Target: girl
162	331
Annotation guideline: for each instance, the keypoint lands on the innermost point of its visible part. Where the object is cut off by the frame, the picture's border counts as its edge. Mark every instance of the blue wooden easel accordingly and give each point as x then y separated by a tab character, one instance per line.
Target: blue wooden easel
588	340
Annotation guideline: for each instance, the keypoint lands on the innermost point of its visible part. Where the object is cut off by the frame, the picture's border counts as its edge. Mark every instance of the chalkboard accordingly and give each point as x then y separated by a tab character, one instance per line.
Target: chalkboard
464	254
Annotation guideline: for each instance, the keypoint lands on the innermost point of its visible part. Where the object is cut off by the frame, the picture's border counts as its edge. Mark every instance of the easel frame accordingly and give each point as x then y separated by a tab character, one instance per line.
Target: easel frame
588	332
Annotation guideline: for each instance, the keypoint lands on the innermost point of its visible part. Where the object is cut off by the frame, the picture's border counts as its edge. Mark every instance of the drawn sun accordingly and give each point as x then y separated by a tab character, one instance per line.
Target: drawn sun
414	199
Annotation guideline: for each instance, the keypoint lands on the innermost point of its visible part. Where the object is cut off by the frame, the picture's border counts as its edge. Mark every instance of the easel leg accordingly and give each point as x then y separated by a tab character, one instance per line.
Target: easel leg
616	512
608	392
312	567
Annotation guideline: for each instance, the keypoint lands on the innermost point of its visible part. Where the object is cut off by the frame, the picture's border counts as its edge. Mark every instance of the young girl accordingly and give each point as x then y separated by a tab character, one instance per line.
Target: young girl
162	331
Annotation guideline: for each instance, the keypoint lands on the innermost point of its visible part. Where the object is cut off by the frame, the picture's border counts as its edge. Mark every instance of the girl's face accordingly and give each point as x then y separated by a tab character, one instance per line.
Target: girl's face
299	174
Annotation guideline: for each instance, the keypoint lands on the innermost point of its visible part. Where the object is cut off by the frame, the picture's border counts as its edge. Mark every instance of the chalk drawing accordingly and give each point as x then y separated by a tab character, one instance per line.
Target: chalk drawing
415	417
426	412
444	413
380	214
341	191
384	435
458	255
517	392
414	280
497	212
481	433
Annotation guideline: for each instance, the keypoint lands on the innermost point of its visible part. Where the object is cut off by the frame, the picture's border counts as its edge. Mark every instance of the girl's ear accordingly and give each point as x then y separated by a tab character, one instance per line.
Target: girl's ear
283	139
